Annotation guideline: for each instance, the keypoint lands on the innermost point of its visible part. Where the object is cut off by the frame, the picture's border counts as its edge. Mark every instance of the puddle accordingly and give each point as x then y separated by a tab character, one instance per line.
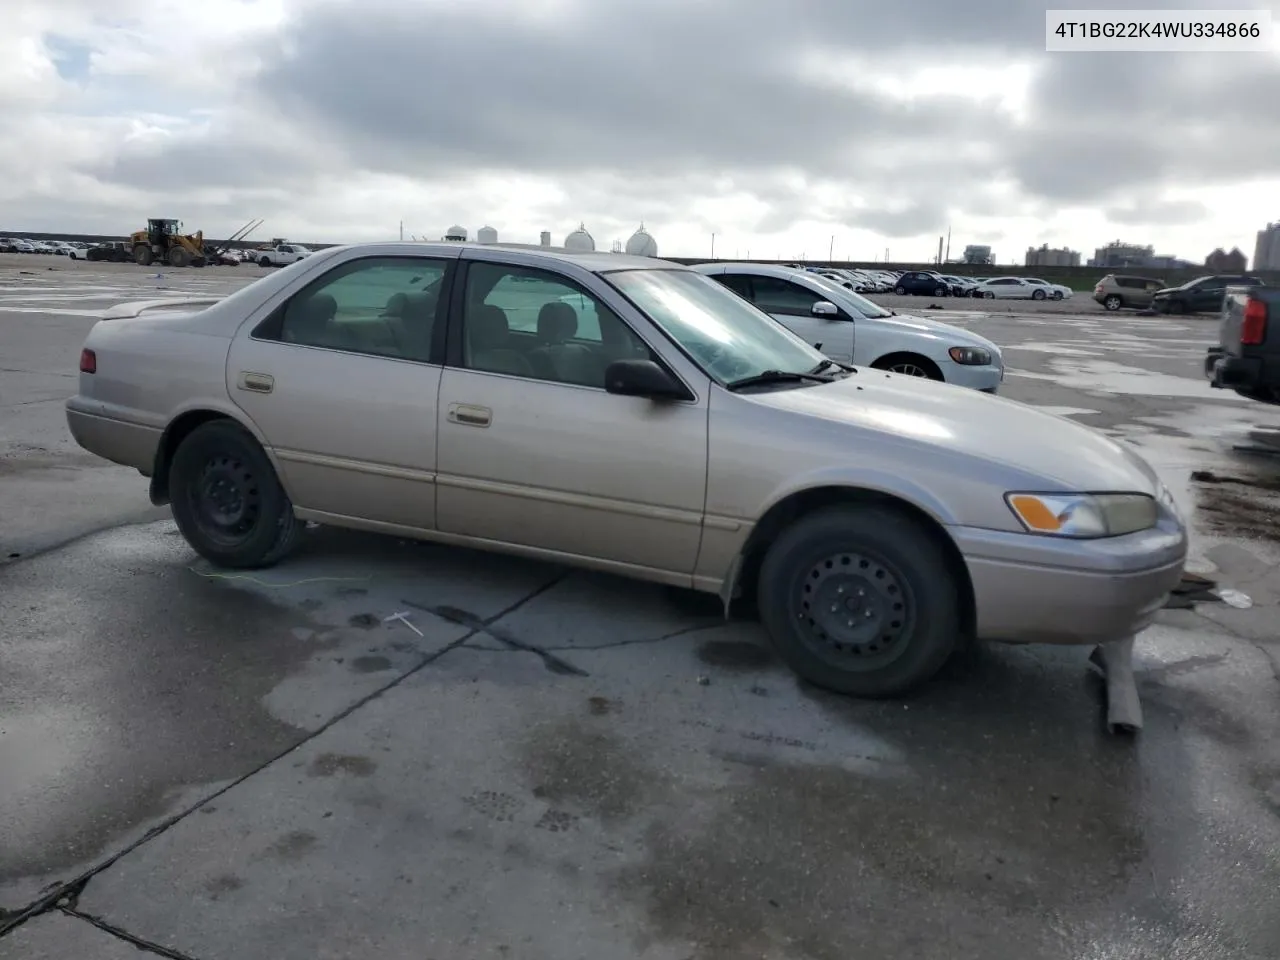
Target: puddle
1106	376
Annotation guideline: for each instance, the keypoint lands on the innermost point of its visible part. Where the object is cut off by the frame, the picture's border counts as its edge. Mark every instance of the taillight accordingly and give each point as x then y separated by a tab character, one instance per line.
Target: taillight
1098	288
1254	329
88	361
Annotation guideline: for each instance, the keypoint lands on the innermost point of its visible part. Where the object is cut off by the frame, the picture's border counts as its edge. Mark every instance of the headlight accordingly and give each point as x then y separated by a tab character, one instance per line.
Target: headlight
970	356
1084	516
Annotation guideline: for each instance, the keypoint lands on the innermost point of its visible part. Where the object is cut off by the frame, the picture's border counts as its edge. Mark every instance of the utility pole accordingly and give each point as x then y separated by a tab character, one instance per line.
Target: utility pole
402	230
713	246
831	248
948	241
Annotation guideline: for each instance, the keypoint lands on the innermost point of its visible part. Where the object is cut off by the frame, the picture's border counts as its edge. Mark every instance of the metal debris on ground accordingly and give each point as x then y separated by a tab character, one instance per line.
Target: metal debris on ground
403	617
1115	662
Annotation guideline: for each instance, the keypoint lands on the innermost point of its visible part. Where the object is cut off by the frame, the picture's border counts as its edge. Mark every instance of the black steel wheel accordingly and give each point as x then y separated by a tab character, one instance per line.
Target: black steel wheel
227	499
860	600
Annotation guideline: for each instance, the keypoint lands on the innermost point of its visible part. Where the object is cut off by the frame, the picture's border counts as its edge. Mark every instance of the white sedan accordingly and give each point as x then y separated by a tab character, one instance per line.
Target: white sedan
849	328
1011	288
1056	291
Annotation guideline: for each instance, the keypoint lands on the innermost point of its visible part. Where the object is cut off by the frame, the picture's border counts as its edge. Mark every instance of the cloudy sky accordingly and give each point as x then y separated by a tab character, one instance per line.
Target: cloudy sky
774	125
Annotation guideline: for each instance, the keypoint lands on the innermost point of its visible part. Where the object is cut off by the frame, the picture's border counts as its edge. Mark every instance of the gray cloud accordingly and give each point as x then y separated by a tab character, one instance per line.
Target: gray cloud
1166	212
640	109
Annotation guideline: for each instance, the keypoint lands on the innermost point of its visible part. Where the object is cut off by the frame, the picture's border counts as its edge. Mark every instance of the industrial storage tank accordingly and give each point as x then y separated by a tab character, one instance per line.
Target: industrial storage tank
642	244
456	233
545	239
486	235
580	241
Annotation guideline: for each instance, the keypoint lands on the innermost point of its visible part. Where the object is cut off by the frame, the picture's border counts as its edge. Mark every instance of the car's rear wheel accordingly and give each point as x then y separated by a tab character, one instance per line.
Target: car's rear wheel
264	262
1037	294
1112	302
860	600
227	499
940	292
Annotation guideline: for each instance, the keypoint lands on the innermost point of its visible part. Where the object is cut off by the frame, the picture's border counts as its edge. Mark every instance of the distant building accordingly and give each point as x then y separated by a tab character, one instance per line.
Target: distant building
1118	254
642	244
580	241
978	253
1222	262
1266	255
1043	256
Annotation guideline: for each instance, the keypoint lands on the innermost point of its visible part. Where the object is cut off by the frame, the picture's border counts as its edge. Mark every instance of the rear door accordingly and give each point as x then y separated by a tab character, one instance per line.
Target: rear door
342	379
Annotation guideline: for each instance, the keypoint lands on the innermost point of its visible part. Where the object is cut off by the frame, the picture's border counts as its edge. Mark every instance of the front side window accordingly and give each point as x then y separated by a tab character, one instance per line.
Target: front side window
531	323
774	295
728	337
382	306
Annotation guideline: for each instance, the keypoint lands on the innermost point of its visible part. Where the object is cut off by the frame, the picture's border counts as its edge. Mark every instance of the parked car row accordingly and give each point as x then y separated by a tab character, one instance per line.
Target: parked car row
1201	295
74	249
931	283
634	416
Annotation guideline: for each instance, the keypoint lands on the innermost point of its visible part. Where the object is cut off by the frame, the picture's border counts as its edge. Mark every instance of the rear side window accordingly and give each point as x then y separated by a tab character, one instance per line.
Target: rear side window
1128	282
379	306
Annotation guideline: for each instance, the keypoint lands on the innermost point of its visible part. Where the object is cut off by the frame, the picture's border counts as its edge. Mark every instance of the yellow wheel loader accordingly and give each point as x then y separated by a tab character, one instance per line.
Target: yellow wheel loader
162	243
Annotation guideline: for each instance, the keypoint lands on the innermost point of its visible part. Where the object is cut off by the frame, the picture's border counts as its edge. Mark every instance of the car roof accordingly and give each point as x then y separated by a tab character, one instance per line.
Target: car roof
595	262
759	269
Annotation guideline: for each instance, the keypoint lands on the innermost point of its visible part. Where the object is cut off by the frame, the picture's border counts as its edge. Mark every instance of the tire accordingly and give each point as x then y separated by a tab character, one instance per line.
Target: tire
222	452
142	255
900	291
72	255
988	294
909	365
1058	295
940	292
828	556
1113	302
1037	294
264	262
178	257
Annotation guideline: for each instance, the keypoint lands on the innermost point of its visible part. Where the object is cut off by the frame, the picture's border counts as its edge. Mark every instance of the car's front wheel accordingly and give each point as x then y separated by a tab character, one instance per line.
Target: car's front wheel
227	499
900	291
860	600
988	294
1058	294
1112	302
940	292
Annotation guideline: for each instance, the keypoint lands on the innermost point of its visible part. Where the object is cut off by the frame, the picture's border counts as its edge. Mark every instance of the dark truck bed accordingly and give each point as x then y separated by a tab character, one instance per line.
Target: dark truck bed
1247	359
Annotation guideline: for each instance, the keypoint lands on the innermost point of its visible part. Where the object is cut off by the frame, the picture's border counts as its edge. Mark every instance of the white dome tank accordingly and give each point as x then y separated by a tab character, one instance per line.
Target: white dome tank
456	233
642	244
486	235
580	241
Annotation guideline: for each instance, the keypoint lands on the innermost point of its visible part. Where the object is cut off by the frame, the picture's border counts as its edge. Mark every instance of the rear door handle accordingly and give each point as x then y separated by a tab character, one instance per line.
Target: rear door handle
256	382
470	415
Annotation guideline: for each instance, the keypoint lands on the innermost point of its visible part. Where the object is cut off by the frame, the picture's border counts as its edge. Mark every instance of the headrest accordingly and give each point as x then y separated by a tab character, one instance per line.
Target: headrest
557	321
487	324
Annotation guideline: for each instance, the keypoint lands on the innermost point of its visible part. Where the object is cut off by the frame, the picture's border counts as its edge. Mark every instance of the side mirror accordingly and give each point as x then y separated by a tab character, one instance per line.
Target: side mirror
643	378
824	308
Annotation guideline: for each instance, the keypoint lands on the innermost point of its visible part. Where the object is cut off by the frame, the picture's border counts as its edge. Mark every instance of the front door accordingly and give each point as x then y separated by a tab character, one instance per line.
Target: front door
792	306
535	452
342	381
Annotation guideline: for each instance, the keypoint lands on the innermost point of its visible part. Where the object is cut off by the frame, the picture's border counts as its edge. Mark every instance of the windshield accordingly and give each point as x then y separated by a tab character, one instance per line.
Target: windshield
728	337
850	300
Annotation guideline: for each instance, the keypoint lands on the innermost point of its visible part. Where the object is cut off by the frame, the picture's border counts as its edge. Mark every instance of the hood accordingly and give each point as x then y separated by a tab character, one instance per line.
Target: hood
1164	290
955	336
1056	453
168	306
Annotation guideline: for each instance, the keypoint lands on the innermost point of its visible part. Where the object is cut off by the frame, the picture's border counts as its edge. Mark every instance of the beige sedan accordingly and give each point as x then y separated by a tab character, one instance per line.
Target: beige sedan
633	416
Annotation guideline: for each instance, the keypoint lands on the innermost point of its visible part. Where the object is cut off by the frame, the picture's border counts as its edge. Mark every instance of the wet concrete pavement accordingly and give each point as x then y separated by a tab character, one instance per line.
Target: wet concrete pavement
648	782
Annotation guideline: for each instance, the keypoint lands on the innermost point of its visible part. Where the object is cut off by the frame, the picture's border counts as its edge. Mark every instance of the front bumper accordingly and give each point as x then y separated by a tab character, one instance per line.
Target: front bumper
986	378
1030	589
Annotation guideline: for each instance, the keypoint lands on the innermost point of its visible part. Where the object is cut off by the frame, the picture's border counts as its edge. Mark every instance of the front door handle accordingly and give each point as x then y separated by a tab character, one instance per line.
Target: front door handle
256	382
470	415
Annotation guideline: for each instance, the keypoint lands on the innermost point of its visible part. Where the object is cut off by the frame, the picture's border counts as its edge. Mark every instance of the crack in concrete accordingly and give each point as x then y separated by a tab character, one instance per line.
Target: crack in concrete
146	946
454	615
614	644
1231	631
59	895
